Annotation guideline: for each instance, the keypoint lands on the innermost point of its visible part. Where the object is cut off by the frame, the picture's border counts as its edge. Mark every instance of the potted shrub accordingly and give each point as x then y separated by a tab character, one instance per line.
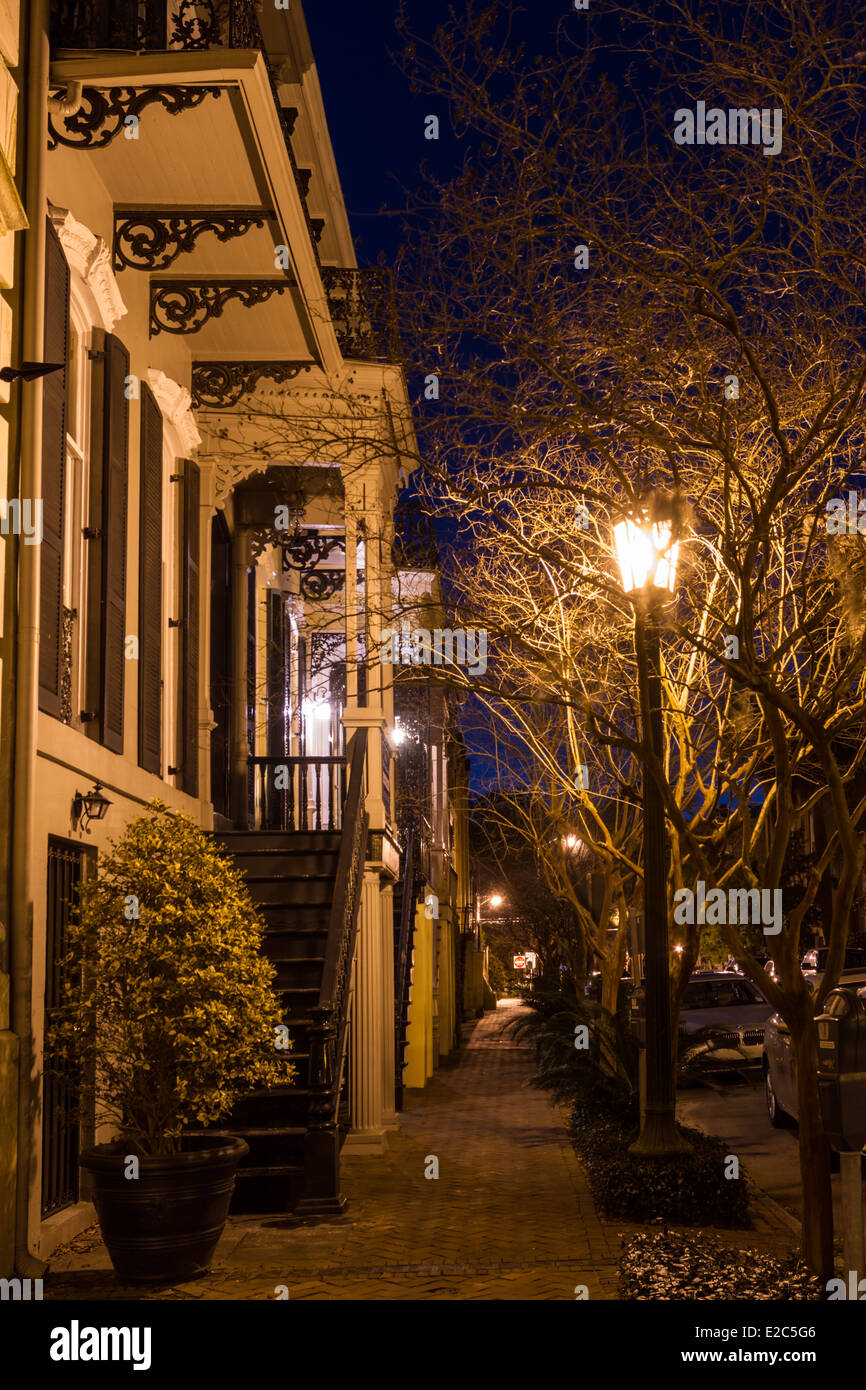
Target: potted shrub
169	1018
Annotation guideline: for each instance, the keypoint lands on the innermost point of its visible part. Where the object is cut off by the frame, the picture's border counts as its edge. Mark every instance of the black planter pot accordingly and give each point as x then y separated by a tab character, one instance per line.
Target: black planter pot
163	1225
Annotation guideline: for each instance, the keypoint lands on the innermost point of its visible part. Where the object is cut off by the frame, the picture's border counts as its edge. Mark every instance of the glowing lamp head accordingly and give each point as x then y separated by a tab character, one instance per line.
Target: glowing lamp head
647	554
496	900
398	736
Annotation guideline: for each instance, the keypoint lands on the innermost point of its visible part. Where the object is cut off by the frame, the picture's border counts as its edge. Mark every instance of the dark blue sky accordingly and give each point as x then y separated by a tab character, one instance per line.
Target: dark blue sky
376	123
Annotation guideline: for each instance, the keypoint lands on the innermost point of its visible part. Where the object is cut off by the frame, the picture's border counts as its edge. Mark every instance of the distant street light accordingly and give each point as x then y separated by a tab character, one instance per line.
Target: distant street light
496	900
647	552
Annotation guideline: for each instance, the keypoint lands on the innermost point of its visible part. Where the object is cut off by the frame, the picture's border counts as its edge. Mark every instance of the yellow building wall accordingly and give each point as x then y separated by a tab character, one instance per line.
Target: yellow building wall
419	1032
10	223
447	983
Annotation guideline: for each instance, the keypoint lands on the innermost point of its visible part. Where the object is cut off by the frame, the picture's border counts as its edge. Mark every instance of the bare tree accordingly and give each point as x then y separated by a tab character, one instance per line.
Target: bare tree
611	314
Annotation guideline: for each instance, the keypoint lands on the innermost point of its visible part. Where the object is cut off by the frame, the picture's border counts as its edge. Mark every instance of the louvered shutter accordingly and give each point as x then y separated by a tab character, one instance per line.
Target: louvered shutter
188	703
109	458
220	655
56	349
150	587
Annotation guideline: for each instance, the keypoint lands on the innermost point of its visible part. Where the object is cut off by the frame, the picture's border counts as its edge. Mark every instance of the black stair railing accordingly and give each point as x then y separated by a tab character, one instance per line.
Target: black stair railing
403	953
297	793
328	1034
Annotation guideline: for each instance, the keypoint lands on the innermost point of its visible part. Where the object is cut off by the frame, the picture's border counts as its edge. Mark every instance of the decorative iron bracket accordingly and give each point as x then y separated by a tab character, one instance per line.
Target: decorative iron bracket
185	306
105	114
153	240
225	383
302	550
320	585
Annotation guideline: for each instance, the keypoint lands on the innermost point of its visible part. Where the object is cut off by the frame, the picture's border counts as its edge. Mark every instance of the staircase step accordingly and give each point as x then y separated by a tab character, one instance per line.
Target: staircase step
272	1170
269	874
285	892
300	918
288	863
251	841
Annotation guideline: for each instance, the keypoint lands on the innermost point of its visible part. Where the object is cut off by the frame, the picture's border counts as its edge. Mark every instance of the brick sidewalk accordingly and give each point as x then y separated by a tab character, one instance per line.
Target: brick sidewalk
509	1217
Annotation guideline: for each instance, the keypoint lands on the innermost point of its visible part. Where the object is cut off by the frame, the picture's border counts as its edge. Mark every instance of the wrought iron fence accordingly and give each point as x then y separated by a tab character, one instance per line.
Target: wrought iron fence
60	1129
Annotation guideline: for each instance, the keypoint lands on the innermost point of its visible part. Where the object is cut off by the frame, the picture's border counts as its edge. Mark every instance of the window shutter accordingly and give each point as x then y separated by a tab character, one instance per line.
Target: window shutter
220	656
150	587
107	569
56	349
188	703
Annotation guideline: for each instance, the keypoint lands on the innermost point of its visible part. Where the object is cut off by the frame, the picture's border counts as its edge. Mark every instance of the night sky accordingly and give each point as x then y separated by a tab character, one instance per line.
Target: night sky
377	130
376	123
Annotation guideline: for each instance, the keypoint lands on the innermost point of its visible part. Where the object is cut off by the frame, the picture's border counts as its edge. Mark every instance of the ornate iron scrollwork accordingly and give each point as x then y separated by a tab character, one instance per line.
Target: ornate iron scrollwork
153	240
195	25
320	585
104	114
185	306
362	311
226	383
307	549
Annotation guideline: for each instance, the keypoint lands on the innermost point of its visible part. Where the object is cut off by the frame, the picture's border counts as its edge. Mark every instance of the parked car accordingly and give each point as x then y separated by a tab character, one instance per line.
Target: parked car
734	1009
592	989
814	963
778	1063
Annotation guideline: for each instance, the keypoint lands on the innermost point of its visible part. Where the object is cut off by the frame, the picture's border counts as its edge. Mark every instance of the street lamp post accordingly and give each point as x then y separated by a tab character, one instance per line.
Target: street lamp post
647	554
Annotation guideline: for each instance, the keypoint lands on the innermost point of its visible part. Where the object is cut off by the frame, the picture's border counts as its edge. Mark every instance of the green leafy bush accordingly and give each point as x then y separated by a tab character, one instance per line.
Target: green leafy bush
668	1265
554	1014
497	976
169	1016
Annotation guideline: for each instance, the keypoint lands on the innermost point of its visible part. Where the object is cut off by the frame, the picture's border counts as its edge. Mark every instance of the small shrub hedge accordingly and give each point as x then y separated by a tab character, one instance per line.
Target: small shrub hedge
688	1189
669	1265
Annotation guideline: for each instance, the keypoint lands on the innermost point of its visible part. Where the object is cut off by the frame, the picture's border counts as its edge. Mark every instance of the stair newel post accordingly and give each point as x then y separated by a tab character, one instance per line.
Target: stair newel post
321	1144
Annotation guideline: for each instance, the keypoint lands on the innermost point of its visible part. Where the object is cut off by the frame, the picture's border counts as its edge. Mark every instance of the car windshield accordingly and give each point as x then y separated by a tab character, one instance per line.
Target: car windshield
720	994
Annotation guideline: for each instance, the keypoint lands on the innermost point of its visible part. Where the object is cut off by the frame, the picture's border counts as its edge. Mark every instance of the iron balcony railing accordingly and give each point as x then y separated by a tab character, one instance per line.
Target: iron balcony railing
363	312
185	25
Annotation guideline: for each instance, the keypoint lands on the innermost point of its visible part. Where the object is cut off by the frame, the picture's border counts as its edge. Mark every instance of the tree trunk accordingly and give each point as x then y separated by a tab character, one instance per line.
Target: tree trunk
817	1236
612	964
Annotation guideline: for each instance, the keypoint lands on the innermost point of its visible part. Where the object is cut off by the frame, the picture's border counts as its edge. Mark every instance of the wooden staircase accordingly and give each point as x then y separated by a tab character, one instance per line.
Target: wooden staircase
306	886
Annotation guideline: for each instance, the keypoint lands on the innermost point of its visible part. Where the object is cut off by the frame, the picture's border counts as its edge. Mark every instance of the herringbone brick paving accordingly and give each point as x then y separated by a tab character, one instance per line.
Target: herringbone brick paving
509	1216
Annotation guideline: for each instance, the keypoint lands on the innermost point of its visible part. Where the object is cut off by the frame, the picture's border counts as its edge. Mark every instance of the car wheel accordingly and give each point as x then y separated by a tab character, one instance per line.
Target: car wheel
778	1117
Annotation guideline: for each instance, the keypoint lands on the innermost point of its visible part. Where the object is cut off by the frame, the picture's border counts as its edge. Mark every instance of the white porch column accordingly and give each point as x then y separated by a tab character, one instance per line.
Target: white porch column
351	608
389	1114
366	1057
